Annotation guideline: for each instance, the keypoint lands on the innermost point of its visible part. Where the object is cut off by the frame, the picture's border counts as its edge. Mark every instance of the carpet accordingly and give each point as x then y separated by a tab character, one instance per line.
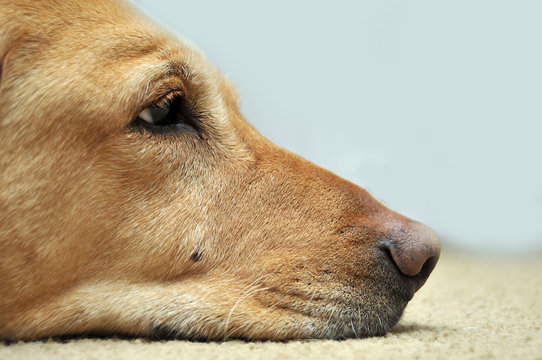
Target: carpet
470	308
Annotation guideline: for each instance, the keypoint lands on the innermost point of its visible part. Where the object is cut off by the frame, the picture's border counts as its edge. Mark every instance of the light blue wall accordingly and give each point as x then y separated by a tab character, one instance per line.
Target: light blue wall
434	106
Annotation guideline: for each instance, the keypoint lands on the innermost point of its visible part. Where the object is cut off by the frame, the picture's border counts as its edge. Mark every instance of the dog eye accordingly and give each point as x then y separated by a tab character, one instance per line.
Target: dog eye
170	115
154	114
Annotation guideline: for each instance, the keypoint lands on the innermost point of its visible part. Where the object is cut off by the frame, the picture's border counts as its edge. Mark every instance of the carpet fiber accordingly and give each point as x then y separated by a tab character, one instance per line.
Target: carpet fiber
469	309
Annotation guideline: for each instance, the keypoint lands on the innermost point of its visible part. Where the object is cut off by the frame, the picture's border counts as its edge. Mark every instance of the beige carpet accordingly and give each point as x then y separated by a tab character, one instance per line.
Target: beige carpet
469	309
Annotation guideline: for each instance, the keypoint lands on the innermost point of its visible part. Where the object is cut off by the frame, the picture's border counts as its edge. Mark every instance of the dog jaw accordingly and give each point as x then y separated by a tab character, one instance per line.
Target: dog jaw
110	228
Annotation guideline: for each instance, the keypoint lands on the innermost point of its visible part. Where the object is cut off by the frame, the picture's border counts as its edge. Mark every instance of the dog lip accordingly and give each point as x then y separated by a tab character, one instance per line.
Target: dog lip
409	284
417	281
410	287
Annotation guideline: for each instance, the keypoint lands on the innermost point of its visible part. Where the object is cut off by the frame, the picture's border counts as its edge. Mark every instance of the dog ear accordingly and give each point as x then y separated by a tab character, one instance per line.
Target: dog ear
3	46
7	37
4	36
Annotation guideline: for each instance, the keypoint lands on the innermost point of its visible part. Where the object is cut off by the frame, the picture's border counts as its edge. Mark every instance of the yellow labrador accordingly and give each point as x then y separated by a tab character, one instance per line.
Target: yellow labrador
135	199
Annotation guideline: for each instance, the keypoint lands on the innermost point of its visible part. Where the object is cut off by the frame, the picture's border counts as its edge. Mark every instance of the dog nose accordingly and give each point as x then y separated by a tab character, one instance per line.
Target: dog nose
415	249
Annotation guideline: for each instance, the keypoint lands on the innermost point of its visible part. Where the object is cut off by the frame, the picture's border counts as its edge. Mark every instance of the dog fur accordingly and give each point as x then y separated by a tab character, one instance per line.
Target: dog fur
107	227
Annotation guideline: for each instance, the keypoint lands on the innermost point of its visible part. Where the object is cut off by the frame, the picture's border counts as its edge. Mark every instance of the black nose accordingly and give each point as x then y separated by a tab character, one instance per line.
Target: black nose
414	248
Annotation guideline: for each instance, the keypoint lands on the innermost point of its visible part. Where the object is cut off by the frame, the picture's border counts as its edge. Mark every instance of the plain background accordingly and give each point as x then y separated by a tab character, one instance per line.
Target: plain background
433	106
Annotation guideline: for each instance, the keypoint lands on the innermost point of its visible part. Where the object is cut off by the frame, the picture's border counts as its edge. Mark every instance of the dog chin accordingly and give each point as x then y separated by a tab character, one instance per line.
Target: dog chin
353	315
360	321
344	323
364	314
377	324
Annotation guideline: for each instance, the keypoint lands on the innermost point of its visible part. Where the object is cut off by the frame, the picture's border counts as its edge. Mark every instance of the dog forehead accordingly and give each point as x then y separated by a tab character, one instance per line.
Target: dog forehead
91	48
110	30
102	72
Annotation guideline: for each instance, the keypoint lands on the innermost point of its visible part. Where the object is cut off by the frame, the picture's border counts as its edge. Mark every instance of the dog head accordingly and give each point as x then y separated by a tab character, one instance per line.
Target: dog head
136	199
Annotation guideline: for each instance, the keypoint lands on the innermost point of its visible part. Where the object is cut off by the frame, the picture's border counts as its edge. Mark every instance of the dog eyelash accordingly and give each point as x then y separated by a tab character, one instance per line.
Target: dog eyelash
167	115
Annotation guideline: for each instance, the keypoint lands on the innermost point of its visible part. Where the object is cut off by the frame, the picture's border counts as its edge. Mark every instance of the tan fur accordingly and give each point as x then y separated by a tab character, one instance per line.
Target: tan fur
105	228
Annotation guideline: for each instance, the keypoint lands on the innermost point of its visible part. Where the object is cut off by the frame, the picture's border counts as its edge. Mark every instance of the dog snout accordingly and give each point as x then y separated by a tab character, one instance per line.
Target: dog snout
415	249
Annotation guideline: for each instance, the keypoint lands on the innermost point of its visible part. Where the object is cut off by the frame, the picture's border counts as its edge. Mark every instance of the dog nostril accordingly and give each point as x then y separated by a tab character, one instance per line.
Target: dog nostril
428	266
415	251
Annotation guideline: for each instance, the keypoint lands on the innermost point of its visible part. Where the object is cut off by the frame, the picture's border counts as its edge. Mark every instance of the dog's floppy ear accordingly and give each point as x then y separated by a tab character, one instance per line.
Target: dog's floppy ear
7	44
4	49
3	46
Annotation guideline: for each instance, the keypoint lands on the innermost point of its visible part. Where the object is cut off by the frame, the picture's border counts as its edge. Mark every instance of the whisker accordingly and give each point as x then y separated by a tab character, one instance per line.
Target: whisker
250	290
308	303
353	329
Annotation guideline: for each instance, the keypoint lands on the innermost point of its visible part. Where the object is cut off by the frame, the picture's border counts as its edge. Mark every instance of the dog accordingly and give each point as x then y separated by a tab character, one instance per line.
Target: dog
136	200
